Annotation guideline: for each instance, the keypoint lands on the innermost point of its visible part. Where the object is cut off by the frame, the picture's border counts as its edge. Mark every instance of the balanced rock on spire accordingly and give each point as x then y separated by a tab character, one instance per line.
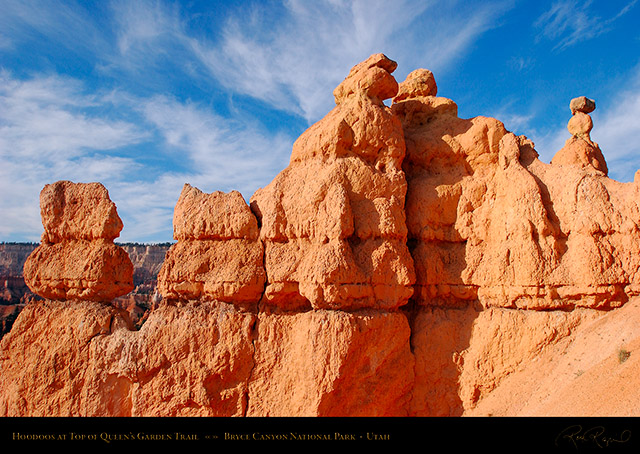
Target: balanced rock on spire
579	150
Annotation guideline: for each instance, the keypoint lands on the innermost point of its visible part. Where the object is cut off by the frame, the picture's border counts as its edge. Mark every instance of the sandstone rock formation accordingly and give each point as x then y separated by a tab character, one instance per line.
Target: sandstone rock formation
218	255
546	242
491	229
407	262
331	363
580	150
333	221
147	261
77	257
146	258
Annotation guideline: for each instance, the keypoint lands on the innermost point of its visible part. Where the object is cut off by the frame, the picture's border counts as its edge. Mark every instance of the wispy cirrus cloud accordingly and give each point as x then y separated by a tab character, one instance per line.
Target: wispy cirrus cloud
52	129
616	128
223	153
46	118
210	152
56	24
291	55
143	23
572	21
296	62
46	134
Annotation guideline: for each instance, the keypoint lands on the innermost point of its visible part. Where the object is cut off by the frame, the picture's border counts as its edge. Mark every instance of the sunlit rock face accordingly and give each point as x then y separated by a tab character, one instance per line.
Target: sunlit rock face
489	221
77	257
407	262
333	221
218	255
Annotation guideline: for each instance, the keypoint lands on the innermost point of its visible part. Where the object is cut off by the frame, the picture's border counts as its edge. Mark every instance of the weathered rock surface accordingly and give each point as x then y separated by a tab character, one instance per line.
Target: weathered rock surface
407	262
333	221
77	257
204	360
147	261
582	104
591	369
218	255
146	258
184	361
72	211
558	238
496	236
83	269
331	363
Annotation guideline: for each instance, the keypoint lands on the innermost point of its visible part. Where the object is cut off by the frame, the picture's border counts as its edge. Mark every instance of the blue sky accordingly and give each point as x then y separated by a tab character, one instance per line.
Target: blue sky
145	96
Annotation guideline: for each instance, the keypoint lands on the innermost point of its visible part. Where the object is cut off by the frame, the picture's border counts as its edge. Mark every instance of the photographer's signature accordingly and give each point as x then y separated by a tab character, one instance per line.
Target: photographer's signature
595	436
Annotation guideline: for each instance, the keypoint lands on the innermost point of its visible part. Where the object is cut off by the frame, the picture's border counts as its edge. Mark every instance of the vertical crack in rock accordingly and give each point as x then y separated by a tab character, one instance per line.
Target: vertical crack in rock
333	221
330	337
254	331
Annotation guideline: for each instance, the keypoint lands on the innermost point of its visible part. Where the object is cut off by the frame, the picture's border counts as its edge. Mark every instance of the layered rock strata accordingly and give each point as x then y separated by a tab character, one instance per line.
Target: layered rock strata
217	255
565	235
77	257
491	229
333	221
146	258
334	232
406	262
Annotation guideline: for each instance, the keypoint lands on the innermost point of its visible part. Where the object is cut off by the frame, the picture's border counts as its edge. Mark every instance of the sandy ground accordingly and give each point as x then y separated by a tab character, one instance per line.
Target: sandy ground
593	372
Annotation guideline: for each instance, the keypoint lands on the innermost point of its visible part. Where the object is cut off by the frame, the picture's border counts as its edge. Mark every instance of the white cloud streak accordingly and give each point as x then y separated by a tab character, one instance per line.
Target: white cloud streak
617	128
54	127
219	155
39	120
296	63
224	153
47	134
65	24
293	62
571	21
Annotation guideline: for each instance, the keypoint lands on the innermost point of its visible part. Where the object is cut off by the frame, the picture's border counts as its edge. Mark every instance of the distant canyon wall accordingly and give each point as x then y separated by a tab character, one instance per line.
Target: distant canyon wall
147	260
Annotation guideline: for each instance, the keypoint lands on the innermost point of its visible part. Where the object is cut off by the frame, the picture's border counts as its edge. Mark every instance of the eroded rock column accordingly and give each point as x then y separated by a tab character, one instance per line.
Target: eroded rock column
333	221
218	255
77	257
579	149
330	341
46	362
